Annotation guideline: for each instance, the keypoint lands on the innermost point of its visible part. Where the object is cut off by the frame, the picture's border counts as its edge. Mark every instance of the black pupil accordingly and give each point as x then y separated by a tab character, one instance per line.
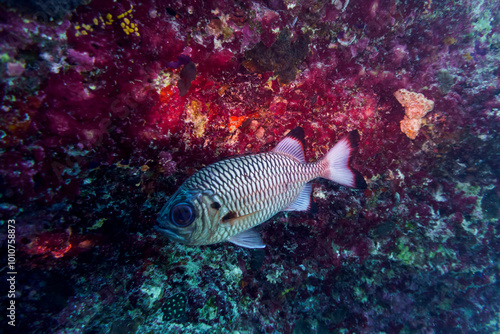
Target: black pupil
182	215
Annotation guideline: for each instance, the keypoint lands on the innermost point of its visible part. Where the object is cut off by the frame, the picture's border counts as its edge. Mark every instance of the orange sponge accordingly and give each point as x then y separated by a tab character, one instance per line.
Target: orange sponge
416	106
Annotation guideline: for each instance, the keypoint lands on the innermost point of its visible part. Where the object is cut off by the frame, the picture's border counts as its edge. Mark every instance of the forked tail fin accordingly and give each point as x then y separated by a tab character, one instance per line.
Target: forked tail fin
339	162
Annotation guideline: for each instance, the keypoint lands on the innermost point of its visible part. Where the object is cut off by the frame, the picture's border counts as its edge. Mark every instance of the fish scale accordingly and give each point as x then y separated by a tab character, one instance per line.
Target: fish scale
223	201
269	181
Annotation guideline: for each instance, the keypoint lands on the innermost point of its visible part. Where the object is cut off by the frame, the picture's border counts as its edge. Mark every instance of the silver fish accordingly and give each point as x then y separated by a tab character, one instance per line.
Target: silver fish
225	200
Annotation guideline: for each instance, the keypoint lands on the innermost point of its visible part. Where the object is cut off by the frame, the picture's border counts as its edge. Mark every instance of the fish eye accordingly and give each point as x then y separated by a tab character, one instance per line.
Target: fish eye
182	214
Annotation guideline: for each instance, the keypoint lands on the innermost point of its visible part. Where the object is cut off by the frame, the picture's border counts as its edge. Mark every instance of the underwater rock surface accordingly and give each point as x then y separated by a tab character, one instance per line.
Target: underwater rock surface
107	107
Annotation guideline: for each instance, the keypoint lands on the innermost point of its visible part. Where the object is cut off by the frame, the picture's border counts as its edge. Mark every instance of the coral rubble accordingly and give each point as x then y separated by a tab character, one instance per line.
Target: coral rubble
108	106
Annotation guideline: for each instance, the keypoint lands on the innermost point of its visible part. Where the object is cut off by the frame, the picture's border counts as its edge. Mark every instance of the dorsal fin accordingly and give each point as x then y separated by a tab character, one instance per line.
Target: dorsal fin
293	144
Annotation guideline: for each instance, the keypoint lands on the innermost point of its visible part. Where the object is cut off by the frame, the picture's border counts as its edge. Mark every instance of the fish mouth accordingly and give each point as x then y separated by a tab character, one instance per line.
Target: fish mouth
172	235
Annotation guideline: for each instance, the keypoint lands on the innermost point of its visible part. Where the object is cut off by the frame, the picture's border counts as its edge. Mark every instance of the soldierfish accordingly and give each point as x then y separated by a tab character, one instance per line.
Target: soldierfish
225	200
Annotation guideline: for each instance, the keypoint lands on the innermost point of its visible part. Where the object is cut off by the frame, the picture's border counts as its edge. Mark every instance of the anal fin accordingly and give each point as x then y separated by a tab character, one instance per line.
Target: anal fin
303	202
248	239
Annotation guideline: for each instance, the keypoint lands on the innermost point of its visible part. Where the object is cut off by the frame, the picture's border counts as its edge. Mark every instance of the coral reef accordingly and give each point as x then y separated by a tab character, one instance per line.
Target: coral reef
281	58
45	10
108	106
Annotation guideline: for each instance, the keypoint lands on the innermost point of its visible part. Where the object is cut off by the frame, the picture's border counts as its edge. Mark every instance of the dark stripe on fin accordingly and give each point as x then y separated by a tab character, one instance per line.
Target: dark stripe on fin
298	134
359	180
313	209
353	138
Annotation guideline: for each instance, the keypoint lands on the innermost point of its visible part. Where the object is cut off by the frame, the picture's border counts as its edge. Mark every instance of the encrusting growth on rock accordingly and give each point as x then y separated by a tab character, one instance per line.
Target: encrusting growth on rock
416	107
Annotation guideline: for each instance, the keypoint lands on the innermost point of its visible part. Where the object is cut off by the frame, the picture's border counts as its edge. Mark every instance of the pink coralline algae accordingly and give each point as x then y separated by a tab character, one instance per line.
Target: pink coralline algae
107	107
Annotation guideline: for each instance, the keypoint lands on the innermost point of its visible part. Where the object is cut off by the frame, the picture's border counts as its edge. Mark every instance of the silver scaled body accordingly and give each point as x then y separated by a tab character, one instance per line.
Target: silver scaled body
250	190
